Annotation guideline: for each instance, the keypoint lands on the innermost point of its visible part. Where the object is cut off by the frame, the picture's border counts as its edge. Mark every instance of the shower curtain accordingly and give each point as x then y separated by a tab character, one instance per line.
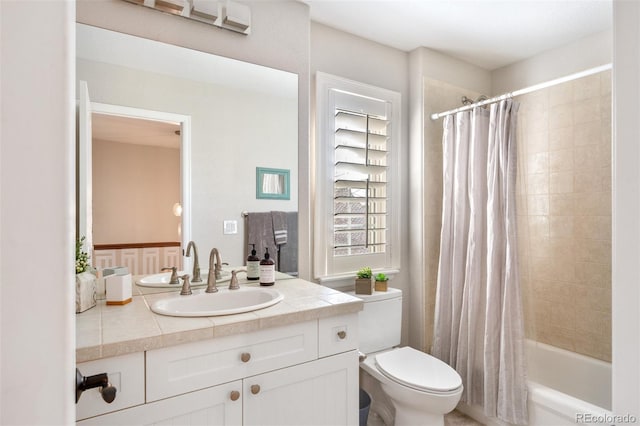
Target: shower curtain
478	317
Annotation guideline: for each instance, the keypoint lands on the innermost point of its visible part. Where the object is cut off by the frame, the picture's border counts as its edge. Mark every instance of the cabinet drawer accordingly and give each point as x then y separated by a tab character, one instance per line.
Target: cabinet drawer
125	372
185	368
337	334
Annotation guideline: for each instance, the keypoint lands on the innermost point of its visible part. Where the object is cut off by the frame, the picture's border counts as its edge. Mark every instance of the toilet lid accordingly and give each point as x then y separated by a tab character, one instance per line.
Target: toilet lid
418	370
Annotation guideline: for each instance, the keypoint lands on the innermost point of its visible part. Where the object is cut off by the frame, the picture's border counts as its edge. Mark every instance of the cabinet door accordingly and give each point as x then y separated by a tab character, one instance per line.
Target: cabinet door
125	372
219	405
322	392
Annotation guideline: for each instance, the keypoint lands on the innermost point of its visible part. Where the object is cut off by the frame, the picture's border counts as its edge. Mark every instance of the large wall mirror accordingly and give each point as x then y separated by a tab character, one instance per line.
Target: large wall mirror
177	136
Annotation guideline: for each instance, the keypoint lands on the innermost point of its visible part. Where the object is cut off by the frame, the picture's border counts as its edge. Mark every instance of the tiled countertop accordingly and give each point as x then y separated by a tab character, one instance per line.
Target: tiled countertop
106	331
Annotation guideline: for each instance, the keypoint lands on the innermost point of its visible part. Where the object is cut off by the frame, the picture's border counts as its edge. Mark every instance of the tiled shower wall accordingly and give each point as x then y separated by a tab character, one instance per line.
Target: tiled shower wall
564	207
564	210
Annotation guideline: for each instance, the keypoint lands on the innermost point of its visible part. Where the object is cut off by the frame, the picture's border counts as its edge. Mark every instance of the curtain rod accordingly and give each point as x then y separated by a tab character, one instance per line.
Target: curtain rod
524	91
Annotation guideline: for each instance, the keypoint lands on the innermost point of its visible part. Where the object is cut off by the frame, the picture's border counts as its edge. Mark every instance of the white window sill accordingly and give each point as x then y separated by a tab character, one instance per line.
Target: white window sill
332	279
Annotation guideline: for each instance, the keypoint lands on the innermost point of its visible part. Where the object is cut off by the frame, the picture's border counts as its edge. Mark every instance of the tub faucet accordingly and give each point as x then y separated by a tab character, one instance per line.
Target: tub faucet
196	265
214	271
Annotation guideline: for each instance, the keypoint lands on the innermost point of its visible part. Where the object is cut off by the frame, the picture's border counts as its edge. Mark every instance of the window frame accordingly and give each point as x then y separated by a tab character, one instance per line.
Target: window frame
327	266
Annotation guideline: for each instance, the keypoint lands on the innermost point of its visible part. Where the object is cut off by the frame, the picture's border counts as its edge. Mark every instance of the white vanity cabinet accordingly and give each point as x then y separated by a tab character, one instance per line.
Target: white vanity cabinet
215	406
321	392
298	374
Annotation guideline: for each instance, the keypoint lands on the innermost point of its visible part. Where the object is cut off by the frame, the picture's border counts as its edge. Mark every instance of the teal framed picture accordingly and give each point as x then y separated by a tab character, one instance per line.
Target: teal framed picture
272	184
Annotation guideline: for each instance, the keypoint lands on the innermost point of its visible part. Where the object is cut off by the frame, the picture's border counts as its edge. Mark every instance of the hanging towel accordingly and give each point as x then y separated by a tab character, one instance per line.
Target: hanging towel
280	234
260	233
289	252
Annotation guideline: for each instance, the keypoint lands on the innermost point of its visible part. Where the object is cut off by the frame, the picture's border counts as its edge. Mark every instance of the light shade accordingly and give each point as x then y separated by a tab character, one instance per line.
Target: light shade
236	15
206	9
177	209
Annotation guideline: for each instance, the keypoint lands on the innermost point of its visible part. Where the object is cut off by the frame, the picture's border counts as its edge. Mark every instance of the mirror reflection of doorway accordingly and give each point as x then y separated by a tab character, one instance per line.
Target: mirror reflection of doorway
136	192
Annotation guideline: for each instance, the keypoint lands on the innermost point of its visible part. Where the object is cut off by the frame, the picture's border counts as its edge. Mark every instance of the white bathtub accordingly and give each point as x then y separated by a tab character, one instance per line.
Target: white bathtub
565	388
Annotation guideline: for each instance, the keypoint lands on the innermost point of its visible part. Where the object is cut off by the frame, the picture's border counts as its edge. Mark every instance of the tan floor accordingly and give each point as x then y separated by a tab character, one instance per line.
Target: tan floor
455	418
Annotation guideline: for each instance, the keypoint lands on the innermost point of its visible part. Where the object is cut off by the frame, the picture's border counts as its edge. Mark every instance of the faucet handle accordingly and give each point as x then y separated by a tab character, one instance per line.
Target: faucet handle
218	269
233	284
186	286
174	274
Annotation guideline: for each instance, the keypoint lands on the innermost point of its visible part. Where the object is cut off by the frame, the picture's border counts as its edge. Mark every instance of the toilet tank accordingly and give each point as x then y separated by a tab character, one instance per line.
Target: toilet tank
380	321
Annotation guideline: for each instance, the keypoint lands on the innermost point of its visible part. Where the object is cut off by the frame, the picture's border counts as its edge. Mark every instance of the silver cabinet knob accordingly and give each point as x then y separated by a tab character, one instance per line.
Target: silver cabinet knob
245	357
234	395
342	334
255	389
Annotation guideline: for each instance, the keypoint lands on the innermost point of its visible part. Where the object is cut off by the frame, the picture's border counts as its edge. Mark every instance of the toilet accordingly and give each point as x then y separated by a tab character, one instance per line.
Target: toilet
421	387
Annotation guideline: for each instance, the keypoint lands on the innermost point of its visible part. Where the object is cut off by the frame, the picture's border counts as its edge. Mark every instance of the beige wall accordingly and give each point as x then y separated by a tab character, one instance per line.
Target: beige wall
345	55
134	190
564	205
589	52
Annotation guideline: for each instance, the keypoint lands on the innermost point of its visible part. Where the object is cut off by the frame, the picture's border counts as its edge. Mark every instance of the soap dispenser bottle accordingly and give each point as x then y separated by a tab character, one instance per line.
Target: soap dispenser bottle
253	265
267	270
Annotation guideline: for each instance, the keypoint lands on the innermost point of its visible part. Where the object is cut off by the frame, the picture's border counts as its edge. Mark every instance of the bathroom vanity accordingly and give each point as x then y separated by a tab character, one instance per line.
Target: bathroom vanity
293	363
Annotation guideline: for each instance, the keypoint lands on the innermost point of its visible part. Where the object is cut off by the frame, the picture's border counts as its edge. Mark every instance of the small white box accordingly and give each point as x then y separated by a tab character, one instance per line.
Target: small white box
118	288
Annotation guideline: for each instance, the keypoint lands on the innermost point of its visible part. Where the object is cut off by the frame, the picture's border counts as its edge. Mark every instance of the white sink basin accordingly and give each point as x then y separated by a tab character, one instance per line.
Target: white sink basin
224	302
162	280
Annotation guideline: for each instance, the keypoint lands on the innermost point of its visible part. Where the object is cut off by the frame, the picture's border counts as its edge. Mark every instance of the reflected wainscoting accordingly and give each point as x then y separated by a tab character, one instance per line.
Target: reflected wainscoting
139	258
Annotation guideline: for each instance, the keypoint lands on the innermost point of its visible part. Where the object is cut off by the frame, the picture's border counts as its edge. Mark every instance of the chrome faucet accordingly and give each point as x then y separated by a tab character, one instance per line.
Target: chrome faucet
196	265
214	271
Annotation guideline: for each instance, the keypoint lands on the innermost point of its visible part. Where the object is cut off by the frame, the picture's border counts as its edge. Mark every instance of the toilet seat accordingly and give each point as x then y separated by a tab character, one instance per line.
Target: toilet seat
418	370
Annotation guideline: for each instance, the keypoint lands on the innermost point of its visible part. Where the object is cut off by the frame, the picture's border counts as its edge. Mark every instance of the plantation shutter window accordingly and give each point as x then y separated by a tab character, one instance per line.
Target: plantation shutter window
357	177
360	184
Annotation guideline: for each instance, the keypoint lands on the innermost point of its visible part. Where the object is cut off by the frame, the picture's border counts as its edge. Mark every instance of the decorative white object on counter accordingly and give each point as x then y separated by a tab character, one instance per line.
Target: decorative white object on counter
118	288
85	291
102	274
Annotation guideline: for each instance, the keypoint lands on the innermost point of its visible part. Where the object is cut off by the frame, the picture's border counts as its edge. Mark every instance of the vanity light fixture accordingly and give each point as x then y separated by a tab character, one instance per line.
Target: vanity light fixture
205	9
236	16
175	7
228	14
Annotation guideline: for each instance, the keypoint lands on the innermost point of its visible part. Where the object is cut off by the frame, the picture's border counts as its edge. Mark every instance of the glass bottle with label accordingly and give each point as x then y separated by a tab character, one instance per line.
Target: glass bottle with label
267	270
253	265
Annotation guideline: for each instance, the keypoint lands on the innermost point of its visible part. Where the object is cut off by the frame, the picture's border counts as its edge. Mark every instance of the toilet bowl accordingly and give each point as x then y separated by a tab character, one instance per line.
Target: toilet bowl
421	387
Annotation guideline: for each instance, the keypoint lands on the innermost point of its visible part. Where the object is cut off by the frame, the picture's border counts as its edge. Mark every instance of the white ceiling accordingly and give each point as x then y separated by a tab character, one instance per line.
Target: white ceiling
135	131
487	33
